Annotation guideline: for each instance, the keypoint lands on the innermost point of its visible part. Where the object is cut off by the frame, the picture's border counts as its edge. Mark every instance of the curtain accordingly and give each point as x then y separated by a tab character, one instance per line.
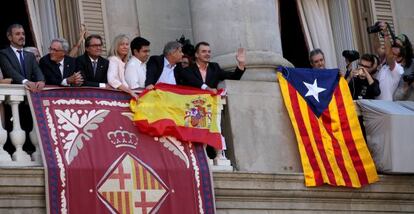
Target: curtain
42	14
342	29
35	22
316	23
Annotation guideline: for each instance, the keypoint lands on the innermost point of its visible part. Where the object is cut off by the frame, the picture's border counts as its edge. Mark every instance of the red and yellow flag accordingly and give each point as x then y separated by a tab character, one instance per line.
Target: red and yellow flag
189	114
330	140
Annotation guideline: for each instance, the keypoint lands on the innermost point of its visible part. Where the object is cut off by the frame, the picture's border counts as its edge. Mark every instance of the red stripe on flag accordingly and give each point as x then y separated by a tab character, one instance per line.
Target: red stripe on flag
127	203
137	177
144	175
119	197
319	144
349	140
112	198
304	135
167	127
152	182
327	121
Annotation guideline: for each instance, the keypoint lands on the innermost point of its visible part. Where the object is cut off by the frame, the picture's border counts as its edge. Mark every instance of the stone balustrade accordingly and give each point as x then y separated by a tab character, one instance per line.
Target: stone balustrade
13	96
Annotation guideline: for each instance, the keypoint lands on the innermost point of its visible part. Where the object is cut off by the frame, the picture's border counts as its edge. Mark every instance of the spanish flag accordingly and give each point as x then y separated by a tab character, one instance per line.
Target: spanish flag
330	140
189	114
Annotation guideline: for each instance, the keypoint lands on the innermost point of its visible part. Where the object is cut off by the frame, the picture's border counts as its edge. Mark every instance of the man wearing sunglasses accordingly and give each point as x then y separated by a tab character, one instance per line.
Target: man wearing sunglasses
361	82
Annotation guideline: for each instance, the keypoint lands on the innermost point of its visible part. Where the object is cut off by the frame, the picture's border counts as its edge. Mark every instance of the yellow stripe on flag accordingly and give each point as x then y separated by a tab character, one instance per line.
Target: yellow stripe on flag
330	153
134	175
160	105
359	140
307	168
305	114
337	133
148	180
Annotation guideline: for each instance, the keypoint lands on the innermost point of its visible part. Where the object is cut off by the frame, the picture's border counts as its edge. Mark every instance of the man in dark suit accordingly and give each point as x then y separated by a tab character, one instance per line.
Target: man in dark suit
166	67
207	75
58	68
91	64
18	64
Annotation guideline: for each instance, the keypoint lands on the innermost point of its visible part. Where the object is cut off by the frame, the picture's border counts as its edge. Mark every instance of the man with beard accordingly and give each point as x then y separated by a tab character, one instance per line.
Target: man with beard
361	82
207	75
18	64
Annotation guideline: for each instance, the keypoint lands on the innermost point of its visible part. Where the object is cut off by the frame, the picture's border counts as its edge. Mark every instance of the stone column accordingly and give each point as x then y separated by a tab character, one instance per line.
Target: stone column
258	132
228	25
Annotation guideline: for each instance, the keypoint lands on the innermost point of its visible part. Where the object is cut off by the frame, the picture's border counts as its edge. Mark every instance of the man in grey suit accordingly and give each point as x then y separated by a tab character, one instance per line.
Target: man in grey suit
18	64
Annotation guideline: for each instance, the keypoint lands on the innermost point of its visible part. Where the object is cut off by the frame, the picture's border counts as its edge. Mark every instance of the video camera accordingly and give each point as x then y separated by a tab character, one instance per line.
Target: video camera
350	55
376	28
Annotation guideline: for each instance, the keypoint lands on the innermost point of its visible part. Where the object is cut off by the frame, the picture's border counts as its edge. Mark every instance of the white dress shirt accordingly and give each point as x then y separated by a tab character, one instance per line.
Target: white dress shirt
167	75
116	72
135	73
18	59
61	67
388	81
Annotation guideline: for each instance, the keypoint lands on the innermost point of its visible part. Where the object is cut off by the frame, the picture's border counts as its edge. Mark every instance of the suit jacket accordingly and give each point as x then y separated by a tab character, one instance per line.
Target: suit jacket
51	70
84	65
10	66
155	65
191	75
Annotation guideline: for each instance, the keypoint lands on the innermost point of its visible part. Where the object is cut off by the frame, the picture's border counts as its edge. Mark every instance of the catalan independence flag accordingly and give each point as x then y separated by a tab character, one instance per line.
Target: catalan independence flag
330	140
187	113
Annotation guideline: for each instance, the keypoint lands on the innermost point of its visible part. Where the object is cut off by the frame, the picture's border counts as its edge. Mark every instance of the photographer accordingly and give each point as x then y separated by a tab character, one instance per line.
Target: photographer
361	83
390	73
350	56
403	49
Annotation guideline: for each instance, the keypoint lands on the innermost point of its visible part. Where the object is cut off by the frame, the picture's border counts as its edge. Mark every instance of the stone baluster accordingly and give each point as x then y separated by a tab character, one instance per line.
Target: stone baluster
221	163
36	156
18	136
4	156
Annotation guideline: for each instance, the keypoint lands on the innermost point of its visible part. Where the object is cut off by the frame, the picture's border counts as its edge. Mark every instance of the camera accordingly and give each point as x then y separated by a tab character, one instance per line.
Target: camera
374	28
350	55
408	78
360	72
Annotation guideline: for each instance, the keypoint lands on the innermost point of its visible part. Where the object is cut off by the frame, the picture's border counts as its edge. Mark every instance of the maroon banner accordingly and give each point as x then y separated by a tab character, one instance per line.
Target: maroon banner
97	161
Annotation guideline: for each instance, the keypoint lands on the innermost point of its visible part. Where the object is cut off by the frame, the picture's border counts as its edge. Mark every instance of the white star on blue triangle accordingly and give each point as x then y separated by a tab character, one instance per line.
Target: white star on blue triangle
313	90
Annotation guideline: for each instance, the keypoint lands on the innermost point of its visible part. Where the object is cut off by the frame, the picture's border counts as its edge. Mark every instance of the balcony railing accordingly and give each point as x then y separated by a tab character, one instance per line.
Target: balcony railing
13	96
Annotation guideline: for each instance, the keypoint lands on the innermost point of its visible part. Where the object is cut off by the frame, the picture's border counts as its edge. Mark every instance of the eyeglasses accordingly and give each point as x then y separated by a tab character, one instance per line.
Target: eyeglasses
55	50
96	45
365	66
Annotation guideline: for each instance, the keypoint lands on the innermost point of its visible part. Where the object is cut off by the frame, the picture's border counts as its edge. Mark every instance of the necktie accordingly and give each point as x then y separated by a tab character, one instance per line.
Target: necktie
60	70
21	59
94	65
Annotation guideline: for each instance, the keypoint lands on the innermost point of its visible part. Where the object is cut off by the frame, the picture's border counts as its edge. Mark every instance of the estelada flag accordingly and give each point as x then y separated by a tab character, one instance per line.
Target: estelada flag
325	122
187	113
